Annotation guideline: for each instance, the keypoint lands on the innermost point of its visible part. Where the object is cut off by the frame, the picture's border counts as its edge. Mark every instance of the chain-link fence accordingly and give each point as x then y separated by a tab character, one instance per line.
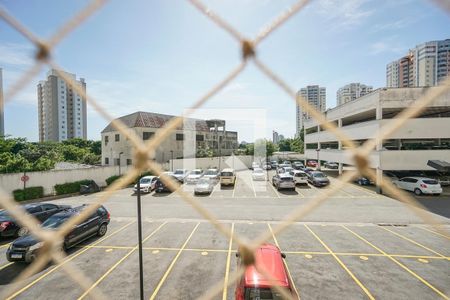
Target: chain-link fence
144	151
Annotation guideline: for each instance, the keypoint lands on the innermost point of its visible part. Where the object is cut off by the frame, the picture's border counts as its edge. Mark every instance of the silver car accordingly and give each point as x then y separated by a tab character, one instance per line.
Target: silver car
283	181
204	186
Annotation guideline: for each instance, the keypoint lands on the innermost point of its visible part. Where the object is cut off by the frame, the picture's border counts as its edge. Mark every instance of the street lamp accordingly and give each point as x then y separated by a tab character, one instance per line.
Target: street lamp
318	161
119	163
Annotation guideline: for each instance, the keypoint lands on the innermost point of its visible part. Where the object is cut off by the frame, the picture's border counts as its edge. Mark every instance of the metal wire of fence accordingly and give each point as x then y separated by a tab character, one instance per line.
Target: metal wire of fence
145	151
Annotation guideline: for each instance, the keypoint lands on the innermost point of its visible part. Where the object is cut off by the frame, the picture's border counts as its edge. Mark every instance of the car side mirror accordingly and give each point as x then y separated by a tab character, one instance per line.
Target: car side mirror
283	255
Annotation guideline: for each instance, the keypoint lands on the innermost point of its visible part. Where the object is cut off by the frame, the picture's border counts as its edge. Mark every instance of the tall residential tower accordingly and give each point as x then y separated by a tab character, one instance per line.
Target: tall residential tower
316	96
351	92
2	113
425	65
62	111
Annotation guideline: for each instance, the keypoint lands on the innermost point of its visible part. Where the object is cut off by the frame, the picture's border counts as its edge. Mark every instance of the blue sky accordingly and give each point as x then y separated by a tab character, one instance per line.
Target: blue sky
162	55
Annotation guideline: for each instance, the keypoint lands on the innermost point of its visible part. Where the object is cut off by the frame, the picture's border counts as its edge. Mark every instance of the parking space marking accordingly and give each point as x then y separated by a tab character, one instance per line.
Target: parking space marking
276	192
342	264
119	262
234	186
69	258
284	261
412	241
166	274
432	231
227	266
5	245
398	263
4	266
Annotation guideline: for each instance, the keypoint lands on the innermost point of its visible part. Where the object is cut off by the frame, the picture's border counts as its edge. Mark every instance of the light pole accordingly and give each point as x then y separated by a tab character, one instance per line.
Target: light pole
171	161
119	163
318	161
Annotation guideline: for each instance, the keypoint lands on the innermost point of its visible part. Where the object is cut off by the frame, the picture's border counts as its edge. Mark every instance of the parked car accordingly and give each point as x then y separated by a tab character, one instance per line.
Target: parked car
298	165
180	174
283	181
258	174
204	186
227	177
194	176
363	181
26	248
89	188
311	163
287	163
267	166
331	165
393	177
300	177
308	170
255	165
147	184
9	227
161	187
318	179
212	174
419	185
274	164
253	285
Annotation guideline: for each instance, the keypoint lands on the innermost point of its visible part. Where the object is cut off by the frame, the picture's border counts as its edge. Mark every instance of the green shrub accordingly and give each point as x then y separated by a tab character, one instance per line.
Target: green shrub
70	187
111	179
32	192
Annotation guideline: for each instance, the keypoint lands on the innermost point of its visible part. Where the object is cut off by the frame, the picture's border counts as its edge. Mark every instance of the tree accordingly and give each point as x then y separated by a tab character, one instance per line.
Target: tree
284	145
302	134
249	149
43	164
297	145
264	146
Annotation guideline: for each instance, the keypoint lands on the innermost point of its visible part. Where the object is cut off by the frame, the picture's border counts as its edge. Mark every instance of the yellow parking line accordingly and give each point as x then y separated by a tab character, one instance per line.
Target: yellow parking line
414	242
284	261
66	260
398	263
119	262
440	234
5	245
234	186
342	264
253	186
158	287
227	266
4	266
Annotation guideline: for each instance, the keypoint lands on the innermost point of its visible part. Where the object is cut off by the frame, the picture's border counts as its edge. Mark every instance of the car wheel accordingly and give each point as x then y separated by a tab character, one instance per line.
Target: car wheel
22	231
102	230
418	192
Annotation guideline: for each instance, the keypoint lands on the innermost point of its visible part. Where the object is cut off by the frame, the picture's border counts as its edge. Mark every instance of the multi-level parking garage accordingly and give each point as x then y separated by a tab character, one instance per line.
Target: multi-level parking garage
423	138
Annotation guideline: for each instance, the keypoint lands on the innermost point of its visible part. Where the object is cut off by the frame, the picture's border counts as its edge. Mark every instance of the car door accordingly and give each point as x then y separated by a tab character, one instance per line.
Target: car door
412	184
38	213
49	209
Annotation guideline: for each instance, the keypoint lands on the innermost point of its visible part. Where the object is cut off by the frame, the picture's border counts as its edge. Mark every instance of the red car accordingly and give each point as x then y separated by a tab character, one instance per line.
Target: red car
311	163
254	286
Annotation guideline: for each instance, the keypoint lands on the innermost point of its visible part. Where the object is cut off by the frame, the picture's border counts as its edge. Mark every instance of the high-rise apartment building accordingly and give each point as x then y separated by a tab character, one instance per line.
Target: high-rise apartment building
351	92
2	113
275	137
316	96
425	65
62	111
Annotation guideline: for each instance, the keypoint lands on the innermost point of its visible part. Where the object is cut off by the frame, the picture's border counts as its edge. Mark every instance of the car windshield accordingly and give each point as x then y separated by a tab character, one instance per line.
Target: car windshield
54	222
179	172
203	181
196	172
226	174
319	175
258	171
211	172
261	294
145	180
430	181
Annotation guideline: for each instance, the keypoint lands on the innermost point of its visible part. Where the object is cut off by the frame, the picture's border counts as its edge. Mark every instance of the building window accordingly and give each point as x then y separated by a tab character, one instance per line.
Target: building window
106	160
147	135
106	140
116	161
200	138
179	136
117	137
129	162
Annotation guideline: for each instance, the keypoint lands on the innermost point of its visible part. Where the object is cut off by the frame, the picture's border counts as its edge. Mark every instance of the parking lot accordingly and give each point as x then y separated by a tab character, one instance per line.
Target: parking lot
357	245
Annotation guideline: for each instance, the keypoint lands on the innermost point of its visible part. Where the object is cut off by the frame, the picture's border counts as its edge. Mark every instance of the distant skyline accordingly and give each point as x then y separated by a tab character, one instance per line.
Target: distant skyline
161	56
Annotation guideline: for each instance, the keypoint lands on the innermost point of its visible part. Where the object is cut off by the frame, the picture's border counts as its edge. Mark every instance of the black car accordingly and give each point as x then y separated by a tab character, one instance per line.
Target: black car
317	178
363	181
26	248
41	211
161	187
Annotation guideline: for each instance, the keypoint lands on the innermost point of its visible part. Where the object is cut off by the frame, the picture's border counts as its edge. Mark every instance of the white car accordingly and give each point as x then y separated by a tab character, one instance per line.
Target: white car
180	174
419	185
255	165
147	184
194	176
212	174
300	177
258	174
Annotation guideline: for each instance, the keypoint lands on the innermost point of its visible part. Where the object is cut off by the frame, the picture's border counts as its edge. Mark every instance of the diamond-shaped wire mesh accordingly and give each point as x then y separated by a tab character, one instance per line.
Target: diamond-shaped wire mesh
144	151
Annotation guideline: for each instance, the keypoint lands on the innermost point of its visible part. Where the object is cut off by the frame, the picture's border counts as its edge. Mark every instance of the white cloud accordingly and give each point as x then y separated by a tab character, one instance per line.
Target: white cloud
389	45
344	14
17	55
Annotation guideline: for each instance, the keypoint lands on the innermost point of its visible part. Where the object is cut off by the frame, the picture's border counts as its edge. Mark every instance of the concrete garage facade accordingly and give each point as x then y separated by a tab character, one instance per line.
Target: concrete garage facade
425	137
192	135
